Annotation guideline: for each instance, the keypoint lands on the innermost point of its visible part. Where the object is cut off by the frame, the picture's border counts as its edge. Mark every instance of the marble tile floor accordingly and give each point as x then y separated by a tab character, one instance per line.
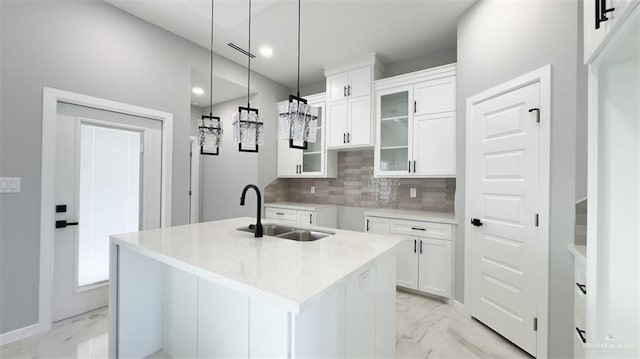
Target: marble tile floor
425	328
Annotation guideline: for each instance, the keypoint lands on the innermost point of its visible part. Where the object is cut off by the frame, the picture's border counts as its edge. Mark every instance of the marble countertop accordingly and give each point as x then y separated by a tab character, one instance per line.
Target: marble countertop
299	206
413	215
287	273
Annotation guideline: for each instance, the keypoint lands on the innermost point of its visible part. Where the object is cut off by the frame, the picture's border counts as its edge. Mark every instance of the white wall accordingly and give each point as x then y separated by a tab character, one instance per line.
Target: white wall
500	40
92	48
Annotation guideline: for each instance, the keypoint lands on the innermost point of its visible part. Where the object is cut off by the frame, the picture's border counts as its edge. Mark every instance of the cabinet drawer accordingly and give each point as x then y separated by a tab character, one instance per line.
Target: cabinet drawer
282	214
421	229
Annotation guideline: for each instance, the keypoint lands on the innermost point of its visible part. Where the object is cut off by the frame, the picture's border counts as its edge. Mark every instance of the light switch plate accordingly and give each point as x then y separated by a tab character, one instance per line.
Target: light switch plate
9	184
412	193
313	189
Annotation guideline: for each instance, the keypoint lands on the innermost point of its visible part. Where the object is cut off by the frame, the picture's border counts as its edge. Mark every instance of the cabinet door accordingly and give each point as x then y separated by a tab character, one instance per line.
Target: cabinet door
359	133
377	225
435	96
360	82
288	159
434	145
407	263
306	217
392	147
313	161
337	123
337	86
435	266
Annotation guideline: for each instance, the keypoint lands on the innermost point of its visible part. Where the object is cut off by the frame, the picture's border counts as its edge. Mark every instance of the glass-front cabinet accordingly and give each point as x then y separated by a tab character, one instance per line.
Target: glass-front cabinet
314	161
416	125
393	149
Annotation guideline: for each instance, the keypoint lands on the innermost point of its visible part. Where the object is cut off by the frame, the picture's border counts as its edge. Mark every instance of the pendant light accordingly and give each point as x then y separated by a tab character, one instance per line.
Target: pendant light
210	126
247	124
298	120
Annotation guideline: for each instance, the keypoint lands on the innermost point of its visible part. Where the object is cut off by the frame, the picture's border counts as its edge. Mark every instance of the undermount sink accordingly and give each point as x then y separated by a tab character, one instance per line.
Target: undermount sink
286	232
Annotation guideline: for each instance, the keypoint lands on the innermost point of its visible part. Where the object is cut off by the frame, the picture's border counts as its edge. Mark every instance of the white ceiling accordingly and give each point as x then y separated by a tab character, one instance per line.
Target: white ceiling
332	30
223	90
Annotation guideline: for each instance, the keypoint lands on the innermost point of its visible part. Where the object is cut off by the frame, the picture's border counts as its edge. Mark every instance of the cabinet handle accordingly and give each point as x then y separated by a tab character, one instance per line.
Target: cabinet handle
311	218
280	213
418	229
349	90
582	287
414	166
415	106
409	166
344	137
415	246
421	246
348	137
344	92
367	225
582	334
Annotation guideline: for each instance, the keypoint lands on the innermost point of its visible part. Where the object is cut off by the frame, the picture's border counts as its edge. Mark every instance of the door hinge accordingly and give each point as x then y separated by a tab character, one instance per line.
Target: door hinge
537	220
537	110
189	192
190	154
142	148
535	324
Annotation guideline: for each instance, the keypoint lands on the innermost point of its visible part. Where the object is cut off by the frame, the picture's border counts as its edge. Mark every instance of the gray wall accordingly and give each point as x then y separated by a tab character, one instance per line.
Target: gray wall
92	48
581	119
500	40
425	61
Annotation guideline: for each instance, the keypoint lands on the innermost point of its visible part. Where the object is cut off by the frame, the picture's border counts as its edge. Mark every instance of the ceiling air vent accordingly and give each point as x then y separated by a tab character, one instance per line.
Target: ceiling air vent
241	50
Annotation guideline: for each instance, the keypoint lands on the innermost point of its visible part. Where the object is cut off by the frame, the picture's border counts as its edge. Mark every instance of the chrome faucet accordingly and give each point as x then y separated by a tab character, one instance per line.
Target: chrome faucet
258	229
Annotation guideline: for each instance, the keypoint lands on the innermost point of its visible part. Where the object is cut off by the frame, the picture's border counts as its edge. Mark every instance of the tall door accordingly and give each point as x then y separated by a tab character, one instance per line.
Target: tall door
104	185
360	116
337	123
504	199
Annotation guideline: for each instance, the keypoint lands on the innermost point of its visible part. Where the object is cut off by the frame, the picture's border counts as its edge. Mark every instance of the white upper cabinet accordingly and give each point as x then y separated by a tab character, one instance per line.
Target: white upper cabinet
600	19
349	103
416	124
313	162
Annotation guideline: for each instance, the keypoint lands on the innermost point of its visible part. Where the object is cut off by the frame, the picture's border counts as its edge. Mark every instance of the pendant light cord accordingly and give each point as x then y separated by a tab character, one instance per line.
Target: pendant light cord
211	66
249	60
298	93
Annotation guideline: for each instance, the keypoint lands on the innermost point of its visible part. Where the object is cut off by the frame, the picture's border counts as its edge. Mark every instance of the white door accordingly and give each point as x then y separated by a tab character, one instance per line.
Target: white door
337	86
434	145
504	198
337	123
359	82
435	96
435	266
407	263
104	185
360	120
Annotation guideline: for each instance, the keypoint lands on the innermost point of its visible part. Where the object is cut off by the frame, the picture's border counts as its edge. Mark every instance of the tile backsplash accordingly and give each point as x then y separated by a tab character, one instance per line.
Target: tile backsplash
355	186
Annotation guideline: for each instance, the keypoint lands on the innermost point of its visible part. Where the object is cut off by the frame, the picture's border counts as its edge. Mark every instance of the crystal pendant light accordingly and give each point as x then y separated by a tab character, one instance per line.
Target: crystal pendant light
210	126
247	123
298	121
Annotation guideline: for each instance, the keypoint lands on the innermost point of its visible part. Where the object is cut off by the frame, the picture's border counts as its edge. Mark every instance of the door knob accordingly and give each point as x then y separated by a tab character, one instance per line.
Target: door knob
65	224
476	222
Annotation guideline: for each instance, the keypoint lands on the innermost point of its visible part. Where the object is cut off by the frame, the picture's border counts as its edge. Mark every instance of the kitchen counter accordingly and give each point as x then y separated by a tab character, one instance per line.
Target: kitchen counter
414	215
285	272
208	290
299	206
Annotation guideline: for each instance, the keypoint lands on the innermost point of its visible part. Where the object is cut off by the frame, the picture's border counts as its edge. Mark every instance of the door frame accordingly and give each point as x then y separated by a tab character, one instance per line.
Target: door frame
50	99
543	77
194	196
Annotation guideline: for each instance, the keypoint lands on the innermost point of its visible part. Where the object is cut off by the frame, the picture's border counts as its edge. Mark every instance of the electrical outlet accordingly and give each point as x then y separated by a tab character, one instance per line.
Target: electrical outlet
9	184
313	189
412	193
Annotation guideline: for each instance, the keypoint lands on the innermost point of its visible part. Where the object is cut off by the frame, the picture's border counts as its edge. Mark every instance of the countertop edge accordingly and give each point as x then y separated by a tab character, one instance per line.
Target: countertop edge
414	217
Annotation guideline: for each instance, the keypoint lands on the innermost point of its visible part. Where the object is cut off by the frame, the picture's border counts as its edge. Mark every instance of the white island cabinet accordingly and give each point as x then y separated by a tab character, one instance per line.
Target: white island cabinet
208	290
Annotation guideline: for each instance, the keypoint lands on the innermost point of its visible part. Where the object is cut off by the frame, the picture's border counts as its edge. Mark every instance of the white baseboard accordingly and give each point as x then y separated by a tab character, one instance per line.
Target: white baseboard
22	333
460	307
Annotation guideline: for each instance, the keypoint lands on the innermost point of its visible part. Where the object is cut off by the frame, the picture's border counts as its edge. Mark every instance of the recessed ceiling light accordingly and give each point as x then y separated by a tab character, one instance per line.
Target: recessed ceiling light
197	91
266	51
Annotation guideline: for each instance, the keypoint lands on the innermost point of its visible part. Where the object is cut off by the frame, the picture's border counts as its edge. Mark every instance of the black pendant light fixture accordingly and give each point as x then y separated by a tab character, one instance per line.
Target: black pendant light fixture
247	124
298	120
210	126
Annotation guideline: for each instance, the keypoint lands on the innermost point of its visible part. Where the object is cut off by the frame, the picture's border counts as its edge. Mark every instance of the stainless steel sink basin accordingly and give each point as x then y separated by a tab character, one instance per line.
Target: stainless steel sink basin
304	235
269	229
286	232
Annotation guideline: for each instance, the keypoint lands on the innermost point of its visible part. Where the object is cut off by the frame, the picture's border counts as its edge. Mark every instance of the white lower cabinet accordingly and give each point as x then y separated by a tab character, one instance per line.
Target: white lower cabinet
424	259
303	214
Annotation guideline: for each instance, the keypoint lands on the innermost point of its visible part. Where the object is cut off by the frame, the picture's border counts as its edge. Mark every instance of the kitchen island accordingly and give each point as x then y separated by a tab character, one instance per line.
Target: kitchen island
210	290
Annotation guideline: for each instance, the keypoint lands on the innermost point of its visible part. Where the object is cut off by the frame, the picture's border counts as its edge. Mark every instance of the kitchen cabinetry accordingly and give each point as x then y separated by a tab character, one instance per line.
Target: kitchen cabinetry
315	161
349	104
600	19
424	258
416	124
324	215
